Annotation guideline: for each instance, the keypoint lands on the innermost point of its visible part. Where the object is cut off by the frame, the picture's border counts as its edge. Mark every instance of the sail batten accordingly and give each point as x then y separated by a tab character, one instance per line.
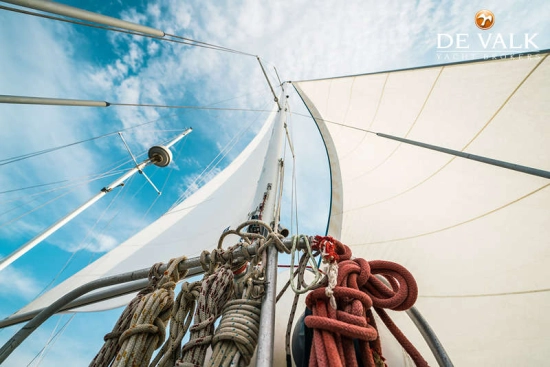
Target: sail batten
474	235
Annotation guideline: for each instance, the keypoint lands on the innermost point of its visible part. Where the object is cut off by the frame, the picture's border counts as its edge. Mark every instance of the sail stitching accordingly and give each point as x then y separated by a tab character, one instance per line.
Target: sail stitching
450	160
373	117
457	224
410	128
505	102
487	294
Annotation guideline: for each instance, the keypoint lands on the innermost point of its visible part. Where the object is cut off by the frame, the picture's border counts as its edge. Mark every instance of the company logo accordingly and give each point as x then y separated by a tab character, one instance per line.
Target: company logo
470	46
484	19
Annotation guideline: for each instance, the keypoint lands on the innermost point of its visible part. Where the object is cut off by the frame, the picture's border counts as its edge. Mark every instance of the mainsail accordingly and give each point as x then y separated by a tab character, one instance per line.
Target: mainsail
188	228
475	236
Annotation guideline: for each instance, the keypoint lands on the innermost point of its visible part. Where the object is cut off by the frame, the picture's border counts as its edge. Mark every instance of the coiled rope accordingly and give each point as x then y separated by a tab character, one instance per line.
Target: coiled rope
237	335
357	290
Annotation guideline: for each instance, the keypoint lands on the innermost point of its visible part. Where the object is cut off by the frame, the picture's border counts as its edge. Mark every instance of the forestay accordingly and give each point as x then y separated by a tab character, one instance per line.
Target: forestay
475	236
189	228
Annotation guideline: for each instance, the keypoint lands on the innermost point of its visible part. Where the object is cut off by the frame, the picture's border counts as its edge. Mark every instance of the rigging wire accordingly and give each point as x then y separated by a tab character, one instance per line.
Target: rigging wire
51	342
197	43
75	181
119	209
35	209
294	191
209	168
213	164
186	107
110	172
335	123
174	39
44	151
88	235
52	334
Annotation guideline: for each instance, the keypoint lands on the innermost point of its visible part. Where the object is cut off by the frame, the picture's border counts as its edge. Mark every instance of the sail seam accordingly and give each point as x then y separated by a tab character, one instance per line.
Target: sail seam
487	294
505	102
373	117
457	224
410	128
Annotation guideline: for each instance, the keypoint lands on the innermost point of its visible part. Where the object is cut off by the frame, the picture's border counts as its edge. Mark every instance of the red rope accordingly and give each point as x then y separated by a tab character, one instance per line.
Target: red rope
357	291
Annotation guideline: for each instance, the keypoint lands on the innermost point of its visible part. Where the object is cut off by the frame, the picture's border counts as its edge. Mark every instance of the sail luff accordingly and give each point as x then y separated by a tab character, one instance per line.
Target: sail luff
334	224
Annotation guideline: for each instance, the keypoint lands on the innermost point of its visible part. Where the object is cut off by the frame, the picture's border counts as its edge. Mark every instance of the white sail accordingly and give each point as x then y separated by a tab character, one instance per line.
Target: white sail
475	236
189	228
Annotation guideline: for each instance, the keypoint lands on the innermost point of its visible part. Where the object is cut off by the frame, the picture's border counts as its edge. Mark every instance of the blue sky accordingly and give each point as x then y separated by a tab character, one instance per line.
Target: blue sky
50	59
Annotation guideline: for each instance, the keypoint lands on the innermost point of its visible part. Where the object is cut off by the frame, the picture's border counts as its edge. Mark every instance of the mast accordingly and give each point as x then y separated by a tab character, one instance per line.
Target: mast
265	206
158	155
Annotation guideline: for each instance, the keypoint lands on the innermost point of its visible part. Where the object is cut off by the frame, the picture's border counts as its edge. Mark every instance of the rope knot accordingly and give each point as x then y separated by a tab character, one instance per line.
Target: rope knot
331	249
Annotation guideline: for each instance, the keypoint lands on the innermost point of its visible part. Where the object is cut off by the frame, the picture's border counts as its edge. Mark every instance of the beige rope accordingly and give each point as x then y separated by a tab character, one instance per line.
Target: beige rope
147	329
216	289
180	319
111	347
141	327
237	335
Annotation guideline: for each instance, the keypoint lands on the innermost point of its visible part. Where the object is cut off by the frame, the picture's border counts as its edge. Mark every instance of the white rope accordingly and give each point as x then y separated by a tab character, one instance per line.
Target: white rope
312	263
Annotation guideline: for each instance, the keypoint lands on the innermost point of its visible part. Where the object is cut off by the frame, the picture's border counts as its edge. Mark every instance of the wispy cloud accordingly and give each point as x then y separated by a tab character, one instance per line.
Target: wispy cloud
18	283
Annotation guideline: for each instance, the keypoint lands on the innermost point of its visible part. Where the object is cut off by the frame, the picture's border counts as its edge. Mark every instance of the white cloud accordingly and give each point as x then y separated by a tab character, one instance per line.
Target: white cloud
17	283
98	242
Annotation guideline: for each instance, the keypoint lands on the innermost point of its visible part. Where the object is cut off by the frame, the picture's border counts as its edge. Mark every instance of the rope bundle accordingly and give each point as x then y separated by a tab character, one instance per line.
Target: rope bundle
216	289
237	334
111	347
147	329
122	340
180	319
357	290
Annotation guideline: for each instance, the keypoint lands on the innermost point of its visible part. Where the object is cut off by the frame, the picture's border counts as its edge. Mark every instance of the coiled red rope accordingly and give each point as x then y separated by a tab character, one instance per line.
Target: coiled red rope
358	290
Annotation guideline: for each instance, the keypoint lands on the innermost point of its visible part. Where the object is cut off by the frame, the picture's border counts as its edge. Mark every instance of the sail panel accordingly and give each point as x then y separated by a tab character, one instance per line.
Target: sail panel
475	236
189	228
